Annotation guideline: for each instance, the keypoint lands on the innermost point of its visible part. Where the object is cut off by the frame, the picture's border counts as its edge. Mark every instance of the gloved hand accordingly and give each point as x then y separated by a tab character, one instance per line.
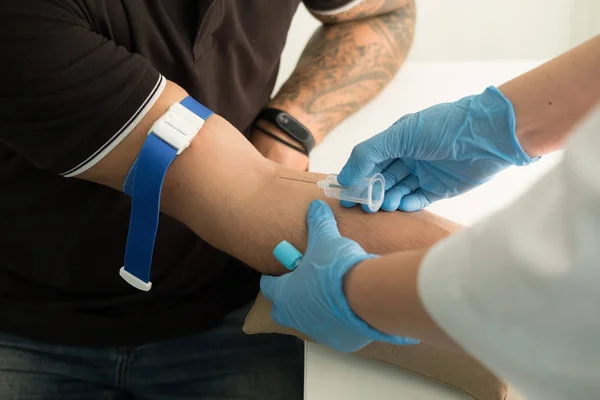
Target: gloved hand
440	152
311	299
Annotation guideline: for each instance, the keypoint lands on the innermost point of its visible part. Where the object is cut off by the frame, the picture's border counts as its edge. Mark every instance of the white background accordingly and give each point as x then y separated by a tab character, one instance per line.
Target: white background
460	47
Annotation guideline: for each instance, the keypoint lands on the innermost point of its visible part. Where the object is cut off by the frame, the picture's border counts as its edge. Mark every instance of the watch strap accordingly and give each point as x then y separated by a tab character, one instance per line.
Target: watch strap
290	126
280	140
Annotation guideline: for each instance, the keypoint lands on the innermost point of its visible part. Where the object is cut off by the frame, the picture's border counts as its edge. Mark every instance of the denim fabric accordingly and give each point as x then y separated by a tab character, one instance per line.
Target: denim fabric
222	363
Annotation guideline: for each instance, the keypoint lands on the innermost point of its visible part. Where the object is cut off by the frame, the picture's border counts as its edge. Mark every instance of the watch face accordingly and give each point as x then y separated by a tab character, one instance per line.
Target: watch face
283	119
292	127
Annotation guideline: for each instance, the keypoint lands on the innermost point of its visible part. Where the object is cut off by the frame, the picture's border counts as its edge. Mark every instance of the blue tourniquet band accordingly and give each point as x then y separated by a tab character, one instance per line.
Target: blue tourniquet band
196	108
144	183
150	169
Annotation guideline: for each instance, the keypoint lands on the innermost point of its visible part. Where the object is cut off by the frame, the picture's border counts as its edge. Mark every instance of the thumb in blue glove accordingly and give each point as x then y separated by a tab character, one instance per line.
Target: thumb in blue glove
311	299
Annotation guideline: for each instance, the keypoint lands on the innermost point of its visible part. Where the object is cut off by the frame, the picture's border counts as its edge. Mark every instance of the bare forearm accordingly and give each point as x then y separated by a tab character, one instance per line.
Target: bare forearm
250	225
550	99
383	292
347	64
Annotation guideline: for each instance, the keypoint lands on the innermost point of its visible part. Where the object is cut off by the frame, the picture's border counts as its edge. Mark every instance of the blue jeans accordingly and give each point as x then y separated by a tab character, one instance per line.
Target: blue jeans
222	363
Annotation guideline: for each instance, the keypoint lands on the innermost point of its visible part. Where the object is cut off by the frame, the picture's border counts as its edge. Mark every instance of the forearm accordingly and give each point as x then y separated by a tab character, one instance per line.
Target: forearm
234	198
237	201
550	99
383	292
347	64
267	209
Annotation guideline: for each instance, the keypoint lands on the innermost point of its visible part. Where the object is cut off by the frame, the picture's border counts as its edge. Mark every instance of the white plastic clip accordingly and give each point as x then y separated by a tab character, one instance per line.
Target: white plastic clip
135	281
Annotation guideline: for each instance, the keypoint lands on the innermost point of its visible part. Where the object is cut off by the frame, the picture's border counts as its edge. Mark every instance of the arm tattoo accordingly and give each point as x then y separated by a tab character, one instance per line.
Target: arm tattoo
347	64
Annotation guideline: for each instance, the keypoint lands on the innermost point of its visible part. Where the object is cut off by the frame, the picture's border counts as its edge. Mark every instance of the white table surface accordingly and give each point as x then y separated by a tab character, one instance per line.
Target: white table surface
331	375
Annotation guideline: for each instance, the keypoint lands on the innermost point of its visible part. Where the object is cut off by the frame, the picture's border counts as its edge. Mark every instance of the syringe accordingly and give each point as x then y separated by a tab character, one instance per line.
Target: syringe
369	191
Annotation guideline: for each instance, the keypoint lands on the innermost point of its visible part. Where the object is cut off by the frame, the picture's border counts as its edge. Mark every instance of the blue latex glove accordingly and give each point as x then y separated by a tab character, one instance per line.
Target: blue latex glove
311	299
440	152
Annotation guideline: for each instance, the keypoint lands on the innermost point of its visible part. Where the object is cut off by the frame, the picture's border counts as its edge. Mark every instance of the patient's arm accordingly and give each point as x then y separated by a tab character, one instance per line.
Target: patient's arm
279	212
234	198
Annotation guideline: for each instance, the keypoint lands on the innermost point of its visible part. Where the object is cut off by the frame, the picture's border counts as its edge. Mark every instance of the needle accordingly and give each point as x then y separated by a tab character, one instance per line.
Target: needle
297	180
302	180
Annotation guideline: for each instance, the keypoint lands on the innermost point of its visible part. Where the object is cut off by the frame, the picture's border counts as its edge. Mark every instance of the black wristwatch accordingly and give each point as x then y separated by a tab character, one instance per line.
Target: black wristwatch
289	125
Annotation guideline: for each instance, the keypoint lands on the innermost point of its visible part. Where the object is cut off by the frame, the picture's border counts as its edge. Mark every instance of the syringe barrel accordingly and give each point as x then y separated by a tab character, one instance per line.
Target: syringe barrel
369	191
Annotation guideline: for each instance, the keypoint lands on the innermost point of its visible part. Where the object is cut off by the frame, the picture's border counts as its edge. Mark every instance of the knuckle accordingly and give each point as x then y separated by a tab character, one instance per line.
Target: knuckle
423	200
361	151
390	179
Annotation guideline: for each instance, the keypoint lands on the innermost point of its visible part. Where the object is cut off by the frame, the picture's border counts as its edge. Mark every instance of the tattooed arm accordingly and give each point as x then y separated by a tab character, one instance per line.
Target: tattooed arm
346	63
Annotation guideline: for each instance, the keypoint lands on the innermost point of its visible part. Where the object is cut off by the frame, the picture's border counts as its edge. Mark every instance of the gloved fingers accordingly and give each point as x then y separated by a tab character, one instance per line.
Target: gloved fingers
379	167
348	344
371	156
392	198
359	165
321	223
402	340
347	204
395	173
269	286
366	209
411	183
278	317
417	200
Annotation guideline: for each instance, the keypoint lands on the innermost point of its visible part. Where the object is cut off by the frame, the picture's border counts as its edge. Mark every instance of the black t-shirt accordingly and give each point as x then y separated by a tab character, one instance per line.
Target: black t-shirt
75	75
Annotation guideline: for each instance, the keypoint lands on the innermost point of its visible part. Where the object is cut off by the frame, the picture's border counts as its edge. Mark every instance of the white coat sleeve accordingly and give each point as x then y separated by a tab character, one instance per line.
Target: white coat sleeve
521	290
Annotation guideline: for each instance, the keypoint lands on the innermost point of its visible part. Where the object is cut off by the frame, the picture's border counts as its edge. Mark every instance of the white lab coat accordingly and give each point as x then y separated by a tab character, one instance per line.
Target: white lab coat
521	290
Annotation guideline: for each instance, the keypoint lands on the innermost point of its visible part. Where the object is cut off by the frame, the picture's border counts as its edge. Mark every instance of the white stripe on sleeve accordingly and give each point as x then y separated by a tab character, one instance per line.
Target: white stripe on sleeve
122	133
338	10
